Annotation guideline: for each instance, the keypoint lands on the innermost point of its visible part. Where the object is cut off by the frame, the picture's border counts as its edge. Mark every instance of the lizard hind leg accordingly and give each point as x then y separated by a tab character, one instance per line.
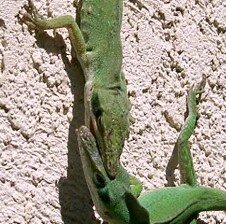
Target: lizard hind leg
181	153
186	166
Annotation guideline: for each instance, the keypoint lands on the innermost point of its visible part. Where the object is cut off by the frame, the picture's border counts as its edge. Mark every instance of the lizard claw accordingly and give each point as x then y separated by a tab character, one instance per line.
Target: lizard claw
31	17
140	5
32	10
199	88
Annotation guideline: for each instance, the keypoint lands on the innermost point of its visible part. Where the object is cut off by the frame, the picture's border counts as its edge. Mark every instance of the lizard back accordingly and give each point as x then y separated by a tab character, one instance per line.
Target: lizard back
100	23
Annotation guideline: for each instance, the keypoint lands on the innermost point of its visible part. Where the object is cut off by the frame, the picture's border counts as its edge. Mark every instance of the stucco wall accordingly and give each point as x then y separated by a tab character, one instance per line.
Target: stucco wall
166	50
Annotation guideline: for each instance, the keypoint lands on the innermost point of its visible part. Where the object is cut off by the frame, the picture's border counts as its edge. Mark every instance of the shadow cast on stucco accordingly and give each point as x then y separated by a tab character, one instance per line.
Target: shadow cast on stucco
74	197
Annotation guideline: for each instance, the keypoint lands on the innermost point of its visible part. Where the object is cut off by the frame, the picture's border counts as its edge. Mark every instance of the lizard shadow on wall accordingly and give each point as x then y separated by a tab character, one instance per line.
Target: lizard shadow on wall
74	197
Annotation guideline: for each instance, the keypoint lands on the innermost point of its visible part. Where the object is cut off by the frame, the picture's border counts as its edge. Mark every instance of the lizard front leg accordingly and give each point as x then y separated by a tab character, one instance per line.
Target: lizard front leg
35	21
135	186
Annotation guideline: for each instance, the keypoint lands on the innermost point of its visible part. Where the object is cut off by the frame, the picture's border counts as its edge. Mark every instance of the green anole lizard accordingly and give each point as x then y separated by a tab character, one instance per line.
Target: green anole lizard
171	205
96	39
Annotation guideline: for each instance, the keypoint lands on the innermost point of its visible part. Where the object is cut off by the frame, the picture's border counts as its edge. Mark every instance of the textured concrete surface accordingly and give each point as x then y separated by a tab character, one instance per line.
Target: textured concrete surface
166	49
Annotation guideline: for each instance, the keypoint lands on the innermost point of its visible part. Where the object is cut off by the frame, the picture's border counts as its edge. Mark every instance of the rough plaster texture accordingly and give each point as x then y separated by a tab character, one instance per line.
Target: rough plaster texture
166	49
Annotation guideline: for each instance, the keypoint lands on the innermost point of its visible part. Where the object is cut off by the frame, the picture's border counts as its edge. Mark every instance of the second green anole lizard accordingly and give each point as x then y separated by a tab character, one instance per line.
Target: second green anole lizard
171	205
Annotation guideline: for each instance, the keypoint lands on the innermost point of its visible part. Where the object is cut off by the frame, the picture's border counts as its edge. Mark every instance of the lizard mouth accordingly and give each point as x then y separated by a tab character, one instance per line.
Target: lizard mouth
96	134
100	145
91	127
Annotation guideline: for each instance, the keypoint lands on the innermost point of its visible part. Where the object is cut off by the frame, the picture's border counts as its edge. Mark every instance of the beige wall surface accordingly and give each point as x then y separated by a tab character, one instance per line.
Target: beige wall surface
166	49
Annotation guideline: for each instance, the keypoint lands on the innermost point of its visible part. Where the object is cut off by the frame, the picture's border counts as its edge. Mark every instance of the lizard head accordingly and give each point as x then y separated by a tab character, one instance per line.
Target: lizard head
110	125
112	198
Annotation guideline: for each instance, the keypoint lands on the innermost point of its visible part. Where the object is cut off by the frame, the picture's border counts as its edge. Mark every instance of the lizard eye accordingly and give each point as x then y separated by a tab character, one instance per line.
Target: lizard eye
99	121
99	180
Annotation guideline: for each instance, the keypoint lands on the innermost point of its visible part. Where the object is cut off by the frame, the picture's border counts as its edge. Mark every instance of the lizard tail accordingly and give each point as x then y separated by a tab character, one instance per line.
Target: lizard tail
212	199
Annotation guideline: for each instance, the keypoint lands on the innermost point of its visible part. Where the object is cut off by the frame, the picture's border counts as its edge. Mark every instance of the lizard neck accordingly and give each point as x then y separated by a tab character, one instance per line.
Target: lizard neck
103	78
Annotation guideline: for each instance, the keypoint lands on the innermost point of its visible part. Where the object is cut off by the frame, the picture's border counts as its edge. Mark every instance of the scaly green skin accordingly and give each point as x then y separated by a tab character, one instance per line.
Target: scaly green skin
182	144
171	205
96	40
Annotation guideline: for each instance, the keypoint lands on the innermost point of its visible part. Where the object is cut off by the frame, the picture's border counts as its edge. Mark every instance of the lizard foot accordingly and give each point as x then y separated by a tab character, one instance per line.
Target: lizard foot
198	89
31	17
192	99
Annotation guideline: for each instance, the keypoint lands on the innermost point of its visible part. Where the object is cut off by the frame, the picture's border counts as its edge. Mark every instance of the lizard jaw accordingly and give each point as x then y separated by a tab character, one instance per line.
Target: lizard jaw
101	147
